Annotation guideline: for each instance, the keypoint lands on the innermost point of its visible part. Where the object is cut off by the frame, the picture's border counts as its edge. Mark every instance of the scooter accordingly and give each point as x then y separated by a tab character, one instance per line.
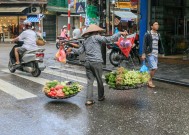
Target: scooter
58	41
116	56
74	43
31	61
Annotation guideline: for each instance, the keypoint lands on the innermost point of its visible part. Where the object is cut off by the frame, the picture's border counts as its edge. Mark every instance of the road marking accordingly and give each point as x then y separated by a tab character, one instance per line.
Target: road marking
39	80
15	91
42	81
68	76
72	69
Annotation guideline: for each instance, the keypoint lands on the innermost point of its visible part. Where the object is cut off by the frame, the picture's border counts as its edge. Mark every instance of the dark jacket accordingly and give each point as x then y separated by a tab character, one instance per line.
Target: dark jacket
147	44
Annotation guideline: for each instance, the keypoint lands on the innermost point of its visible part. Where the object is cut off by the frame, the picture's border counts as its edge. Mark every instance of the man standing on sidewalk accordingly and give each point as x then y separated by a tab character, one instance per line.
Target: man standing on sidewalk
152	45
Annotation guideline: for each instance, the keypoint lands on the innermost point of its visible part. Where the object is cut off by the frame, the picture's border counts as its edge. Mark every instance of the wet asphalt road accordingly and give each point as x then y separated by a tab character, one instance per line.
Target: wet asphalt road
163	110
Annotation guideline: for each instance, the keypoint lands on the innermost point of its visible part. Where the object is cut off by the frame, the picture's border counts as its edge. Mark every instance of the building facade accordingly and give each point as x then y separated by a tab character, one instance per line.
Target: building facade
173	18
57	12
14	12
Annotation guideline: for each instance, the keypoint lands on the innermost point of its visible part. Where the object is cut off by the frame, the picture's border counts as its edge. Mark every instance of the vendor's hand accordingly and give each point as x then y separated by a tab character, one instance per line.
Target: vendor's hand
69	50
75	45
143	57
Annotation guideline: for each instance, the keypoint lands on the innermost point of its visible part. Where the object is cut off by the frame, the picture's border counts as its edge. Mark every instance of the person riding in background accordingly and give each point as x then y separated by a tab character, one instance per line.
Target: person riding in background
76	33
64	32
29	37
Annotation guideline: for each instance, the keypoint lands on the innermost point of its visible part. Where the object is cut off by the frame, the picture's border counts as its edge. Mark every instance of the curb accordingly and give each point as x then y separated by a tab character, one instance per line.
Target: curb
171	81
155	78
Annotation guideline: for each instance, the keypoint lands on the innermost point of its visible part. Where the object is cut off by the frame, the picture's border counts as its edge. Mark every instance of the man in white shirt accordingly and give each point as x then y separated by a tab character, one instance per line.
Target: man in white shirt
29	37
76	33
84	28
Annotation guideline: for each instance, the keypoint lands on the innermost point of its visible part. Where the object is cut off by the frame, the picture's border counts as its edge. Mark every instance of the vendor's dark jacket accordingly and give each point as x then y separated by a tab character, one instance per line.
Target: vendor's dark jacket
147	44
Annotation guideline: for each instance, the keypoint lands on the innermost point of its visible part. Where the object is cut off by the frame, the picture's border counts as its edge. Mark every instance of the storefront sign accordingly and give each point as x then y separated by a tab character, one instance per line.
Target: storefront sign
125	5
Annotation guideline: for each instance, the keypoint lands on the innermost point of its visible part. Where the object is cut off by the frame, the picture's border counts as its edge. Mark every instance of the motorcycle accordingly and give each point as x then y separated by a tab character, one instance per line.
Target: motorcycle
58	41
31	61
116	56
74	43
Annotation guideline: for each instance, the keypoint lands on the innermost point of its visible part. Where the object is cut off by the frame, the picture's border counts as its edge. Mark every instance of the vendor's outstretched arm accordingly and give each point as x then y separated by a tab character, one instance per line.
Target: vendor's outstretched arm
79	50
112	38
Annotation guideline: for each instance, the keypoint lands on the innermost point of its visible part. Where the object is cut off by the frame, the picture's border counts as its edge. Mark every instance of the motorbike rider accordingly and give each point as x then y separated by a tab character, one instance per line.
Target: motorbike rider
64	32
29	37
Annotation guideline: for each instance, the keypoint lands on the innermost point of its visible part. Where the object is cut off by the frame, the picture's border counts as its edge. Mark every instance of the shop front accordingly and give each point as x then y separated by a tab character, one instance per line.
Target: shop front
11	26
173	18
11	19
13	13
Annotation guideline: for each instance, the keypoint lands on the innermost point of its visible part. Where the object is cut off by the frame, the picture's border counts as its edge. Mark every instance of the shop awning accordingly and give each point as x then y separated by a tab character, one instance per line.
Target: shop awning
125	15
59	9
11	9
33	19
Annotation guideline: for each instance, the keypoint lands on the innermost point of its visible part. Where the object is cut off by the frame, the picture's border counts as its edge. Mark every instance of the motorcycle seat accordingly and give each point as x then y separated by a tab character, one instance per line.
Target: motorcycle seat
36	50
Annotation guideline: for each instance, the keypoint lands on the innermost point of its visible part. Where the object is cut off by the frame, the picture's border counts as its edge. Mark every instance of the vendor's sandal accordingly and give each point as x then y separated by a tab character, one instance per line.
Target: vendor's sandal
151	85
102	98
89	102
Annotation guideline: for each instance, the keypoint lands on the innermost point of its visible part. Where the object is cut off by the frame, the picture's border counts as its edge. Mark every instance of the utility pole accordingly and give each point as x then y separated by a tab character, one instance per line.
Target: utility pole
113	4
69	19
108	17
103	15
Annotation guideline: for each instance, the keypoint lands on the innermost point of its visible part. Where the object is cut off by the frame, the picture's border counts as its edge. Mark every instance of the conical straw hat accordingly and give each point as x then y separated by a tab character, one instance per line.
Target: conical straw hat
92	28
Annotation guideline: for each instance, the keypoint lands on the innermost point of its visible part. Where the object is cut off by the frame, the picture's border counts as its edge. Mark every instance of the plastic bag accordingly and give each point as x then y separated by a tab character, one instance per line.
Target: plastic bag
125	45
61	55
144	68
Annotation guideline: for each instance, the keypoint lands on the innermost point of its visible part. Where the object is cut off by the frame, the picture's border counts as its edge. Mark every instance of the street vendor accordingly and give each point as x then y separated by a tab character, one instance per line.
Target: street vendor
93	64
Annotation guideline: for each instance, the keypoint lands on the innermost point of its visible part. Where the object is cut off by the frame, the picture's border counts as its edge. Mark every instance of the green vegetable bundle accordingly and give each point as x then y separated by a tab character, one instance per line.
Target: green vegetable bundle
125	79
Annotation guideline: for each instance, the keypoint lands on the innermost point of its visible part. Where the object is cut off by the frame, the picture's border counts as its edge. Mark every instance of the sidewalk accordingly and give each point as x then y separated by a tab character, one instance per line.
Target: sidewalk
171	69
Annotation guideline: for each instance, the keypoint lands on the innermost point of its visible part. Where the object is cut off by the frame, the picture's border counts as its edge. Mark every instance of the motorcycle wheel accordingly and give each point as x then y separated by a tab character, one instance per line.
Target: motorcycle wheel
36	73
136	59
57	45
115	58
10	67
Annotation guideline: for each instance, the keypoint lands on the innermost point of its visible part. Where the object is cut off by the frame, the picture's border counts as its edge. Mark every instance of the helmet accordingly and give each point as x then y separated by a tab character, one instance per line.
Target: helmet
27	24
64	26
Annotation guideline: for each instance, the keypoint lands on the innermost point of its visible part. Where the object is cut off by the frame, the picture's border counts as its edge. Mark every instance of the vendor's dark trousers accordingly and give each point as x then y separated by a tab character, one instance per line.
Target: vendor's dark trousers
94	70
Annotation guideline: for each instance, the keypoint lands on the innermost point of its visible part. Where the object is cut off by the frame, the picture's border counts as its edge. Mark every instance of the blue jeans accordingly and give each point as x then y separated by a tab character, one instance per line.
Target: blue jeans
152	62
